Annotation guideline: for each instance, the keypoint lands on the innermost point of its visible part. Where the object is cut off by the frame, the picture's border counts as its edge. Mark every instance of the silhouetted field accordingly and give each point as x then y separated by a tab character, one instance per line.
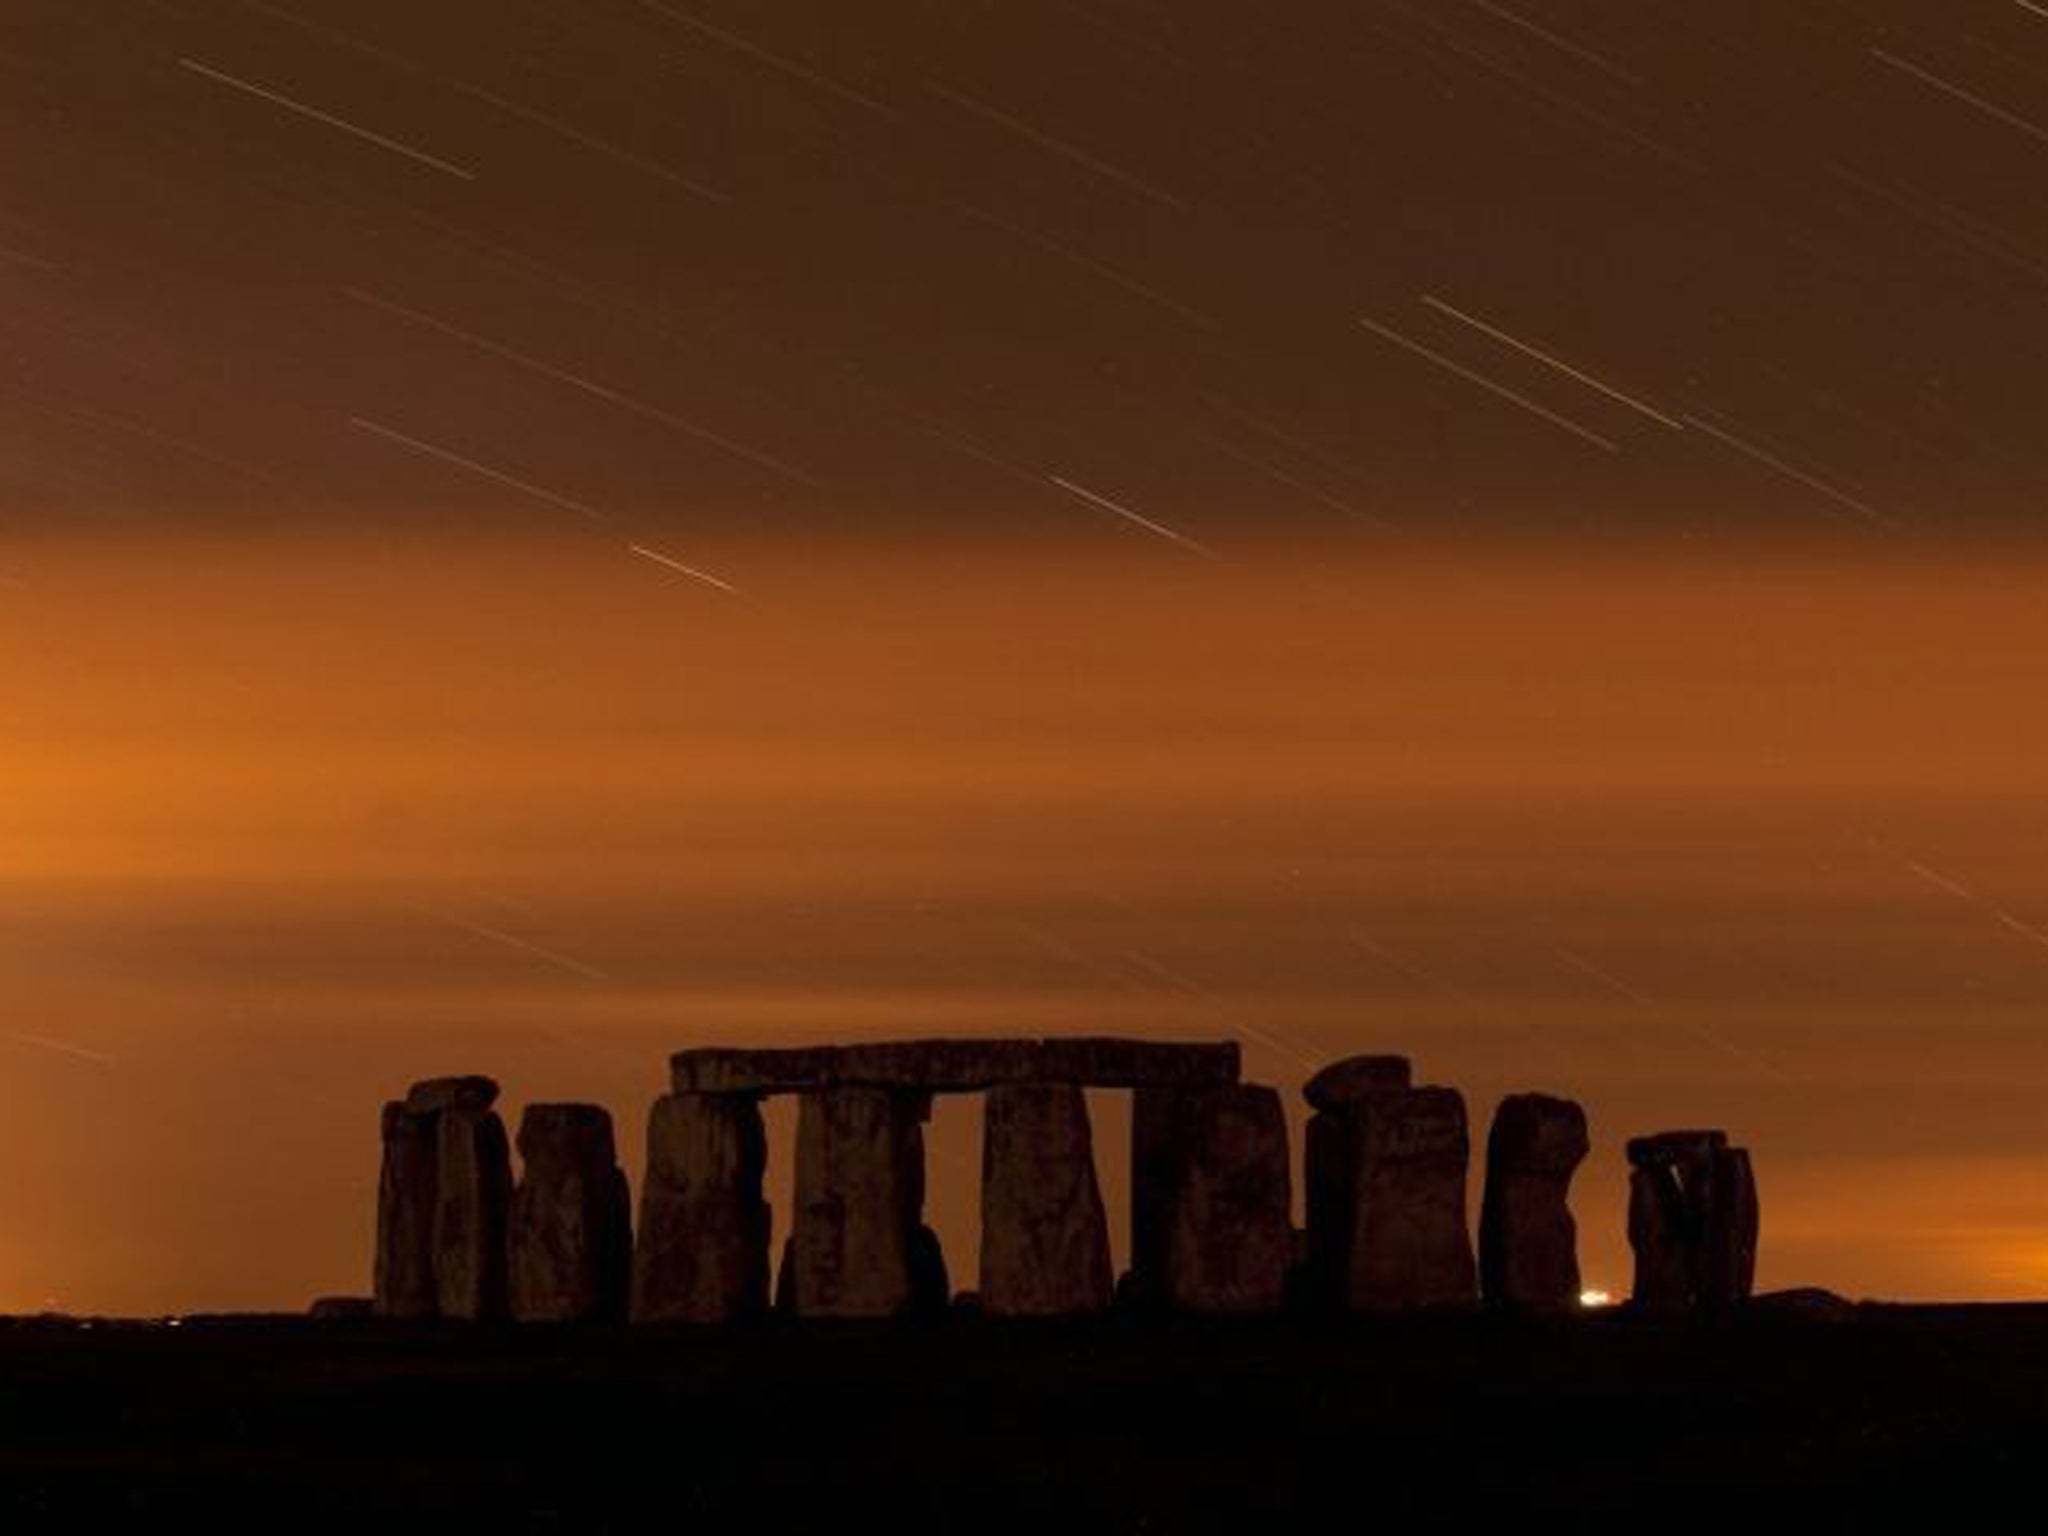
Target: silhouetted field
1895	1415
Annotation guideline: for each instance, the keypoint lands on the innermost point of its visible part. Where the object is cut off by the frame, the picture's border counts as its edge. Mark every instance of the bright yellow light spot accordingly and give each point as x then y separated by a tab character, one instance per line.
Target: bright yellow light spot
1595	1299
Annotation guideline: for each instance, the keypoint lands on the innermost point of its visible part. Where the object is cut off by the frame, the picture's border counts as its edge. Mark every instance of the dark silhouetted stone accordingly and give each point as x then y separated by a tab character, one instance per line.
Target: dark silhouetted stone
1803	1304
1693	1222
1112	1063
1528	1242
570	1236
337	1309
1409	1246
1329	1170
1044	1239
408	1192
1228	1240
1155	1175
702	1250
931	1288
859	1203
952	1066
1354	1079
439	1093
474	1176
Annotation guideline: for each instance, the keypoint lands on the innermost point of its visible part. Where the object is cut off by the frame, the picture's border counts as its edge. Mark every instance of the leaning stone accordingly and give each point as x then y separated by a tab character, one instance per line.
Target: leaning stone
1409	1245
1228	1237
1356	1078
702	1250
570	1235
475	1189
859	1203
1044	1239
439	1093
1528	1241
408	1191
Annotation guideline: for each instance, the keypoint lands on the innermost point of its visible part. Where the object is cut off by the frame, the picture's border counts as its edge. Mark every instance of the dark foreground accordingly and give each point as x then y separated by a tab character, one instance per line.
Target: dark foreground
1894	1416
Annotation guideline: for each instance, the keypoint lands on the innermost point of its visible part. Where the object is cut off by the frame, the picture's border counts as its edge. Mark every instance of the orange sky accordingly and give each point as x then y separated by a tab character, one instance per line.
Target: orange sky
1749	837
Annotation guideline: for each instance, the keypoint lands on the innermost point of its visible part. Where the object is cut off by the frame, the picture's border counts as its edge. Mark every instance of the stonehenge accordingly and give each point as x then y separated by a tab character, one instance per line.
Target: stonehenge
702	1253
570	1237
1044	1238
1692	1222
442	1203
1528	1241
1384	1177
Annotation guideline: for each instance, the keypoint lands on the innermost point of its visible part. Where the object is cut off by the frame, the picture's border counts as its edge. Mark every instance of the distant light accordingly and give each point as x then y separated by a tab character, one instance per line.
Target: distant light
1595	1299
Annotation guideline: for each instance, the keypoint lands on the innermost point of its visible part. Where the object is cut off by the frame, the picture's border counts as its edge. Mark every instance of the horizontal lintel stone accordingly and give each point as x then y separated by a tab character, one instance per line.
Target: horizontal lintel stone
955	1066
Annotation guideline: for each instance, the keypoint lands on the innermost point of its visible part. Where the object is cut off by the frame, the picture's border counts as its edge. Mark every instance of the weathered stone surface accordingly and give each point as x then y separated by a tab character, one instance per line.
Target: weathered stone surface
1528	1241
1355	1078
439	1093
701	1255
1105	1062
1228	1239
1044	1239
408	1192
1410	1248
474	1176
570	1235
1693	1222
953	1066
859	1203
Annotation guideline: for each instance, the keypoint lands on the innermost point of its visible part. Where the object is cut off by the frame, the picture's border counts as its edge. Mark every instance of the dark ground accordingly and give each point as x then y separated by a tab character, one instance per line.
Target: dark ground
1897	1416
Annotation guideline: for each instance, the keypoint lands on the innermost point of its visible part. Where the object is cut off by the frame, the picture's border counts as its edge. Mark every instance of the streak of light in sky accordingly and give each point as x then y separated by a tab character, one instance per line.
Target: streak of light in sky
1128	515
1772	461
448	456
341	124
774	61
1059	147
1563	44
1969	98
588	386
1490	386
688	570
1549	360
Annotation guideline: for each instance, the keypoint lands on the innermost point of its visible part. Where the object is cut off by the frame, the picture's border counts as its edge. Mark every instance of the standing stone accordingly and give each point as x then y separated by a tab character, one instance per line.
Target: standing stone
1693	1222
1528	1242
1410	1248
1355	1079
1155	1177
1228	1240
475	1188
1044	1239
1330	1162
407	1194
859	1203
702	1252
570	1237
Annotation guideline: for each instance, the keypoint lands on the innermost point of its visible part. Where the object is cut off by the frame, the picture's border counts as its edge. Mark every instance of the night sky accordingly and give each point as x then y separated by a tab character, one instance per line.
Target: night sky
533	535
